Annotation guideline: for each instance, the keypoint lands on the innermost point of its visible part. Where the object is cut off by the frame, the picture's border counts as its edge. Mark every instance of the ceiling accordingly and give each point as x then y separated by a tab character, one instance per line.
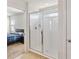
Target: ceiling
13	11
34	5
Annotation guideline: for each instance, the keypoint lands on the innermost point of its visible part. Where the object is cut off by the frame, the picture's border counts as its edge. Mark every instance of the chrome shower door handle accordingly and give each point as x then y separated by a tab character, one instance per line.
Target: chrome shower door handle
42	37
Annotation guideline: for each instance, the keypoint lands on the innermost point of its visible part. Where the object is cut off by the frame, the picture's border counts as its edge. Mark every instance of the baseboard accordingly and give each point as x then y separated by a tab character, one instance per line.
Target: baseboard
40	54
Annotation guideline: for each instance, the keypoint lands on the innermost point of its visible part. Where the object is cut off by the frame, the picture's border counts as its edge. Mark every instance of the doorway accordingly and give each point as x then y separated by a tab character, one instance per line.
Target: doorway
15	32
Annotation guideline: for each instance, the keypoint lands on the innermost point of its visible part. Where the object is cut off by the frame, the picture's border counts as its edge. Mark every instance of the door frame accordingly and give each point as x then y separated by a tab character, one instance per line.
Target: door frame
26	28
64	17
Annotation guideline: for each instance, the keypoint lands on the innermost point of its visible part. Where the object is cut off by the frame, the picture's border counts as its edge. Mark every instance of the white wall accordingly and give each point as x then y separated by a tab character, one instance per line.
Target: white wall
19	21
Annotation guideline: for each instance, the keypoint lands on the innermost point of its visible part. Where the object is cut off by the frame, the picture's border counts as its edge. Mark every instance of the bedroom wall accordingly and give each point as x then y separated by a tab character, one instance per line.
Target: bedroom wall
19	21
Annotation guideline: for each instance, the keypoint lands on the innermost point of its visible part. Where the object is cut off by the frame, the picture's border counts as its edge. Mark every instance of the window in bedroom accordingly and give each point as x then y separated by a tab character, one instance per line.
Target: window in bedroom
12	25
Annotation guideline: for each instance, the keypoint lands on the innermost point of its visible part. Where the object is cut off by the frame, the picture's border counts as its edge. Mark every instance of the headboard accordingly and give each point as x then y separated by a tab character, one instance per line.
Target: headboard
19	30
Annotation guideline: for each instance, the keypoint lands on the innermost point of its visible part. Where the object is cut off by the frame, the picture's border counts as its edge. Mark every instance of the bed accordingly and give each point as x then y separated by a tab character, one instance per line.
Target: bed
15	37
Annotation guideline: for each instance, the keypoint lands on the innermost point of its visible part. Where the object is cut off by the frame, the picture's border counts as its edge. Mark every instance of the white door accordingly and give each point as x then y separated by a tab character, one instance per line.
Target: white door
68	29
35	32
69	49
68	38
50	31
